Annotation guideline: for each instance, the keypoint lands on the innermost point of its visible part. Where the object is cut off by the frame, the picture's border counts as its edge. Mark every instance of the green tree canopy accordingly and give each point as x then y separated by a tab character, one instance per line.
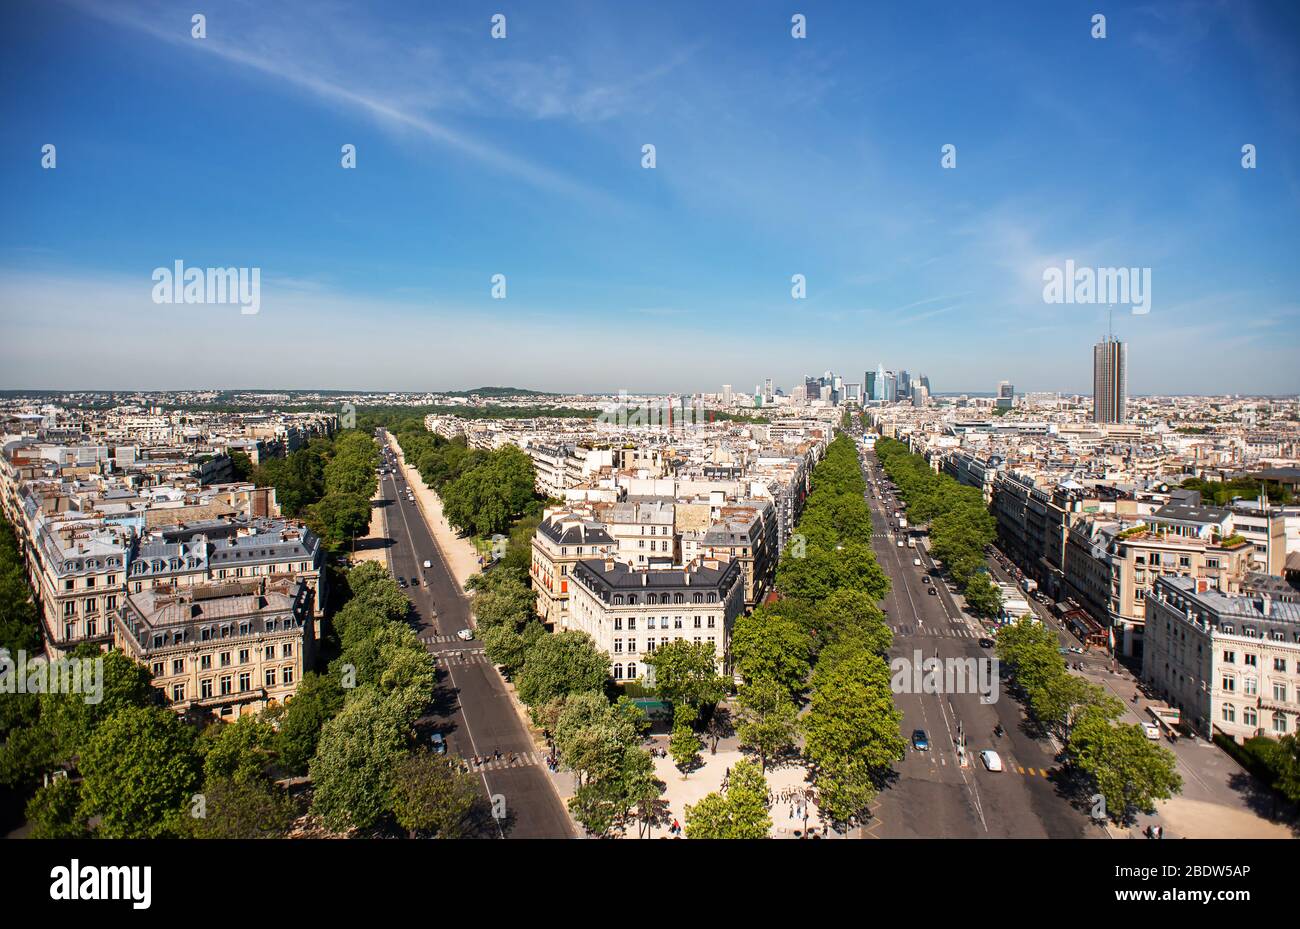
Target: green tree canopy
686	672
357	759
432	796
768	720
139	771
740	813
561	664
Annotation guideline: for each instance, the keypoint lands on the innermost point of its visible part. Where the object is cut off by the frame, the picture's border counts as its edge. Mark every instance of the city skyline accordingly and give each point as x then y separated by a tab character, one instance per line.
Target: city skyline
523	157
489	420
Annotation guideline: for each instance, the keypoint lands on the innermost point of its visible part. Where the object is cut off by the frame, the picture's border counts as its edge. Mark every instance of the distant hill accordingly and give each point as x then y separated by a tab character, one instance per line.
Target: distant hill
500	392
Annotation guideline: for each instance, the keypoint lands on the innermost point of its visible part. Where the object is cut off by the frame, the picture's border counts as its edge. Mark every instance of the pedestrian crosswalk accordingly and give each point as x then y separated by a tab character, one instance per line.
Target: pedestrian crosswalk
430	638
946	632
462	656
498	761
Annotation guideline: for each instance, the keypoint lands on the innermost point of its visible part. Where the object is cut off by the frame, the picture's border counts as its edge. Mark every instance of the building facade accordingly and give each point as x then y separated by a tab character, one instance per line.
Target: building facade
1230	664
228	649
629	612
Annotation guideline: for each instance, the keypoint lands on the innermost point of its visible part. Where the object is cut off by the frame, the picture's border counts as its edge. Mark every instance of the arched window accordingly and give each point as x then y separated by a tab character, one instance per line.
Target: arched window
652	599
678	598
618	672
631	599
618	599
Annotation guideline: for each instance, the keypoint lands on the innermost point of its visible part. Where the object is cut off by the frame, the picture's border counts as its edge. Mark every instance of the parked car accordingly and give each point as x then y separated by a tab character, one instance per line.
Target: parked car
992	760
1152	731
932	592
920	741
401	582
438	743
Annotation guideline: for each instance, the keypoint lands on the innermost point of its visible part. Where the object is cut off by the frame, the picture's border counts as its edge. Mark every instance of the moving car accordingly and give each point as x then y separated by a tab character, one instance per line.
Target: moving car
428	564
987	643
925	579
401	582
920	741
916	562
901	543
464	635
992	760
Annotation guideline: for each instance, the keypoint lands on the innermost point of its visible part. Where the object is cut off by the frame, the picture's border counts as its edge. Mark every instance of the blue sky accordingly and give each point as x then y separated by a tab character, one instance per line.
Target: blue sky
522	157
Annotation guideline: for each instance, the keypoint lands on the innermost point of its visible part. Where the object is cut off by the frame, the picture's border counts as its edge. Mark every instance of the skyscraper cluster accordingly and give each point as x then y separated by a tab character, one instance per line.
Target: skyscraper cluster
886	386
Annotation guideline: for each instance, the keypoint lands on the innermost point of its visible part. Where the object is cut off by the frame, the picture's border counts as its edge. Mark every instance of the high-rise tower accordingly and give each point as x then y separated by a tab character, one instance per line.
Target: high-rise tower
1109	381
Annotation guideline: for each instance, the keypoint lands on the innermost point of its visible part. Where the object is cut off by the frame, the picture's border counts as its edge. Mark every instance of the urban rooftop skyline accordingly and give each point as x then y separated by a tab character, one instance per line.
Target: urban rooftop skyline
585	419
971	193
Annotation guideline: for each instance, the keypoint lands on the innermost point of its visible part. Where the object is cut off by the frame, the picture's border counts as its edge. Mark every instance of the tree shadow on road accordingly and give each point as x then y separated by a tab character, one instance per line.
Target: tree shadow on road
1074	787
1264	801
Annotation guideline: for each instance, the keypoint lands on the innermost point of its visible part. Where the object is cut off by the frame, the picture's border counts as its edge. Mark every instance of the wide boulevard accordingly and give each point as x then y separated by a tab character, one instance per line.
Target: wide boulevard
472	708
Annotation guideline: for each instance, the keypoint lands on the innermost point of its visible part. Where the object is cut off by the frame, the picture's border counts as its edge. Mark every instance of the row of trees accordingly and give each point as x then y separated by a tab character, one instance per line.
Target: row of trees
961	526
1127	769
138	770
812	663
368	769
19	631
483	492
564	680
329	483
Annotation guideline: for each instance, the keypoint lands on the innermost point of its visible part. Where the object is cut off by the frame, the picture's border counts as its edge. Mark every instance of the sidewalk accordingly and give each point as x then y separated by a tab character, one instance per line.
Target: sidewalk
1219	800
374	545
783	782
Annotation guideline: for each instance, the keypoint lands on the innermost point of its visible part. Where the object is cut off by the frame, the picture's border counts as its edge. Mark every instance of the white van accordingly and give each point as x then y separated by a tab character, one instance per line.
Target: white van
428	564
1152	731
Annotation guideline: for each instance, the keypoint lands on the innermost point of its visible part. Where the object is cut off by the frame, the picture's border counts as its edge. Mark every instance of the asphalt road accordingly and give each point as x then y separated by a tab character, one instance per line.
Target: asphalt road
933	796
472	708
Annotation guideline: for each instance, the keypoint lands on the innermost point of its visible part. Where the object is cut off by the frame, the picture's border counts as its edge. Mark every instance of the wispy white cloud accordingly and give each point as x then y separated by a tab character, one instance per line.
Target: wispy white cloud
277	56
